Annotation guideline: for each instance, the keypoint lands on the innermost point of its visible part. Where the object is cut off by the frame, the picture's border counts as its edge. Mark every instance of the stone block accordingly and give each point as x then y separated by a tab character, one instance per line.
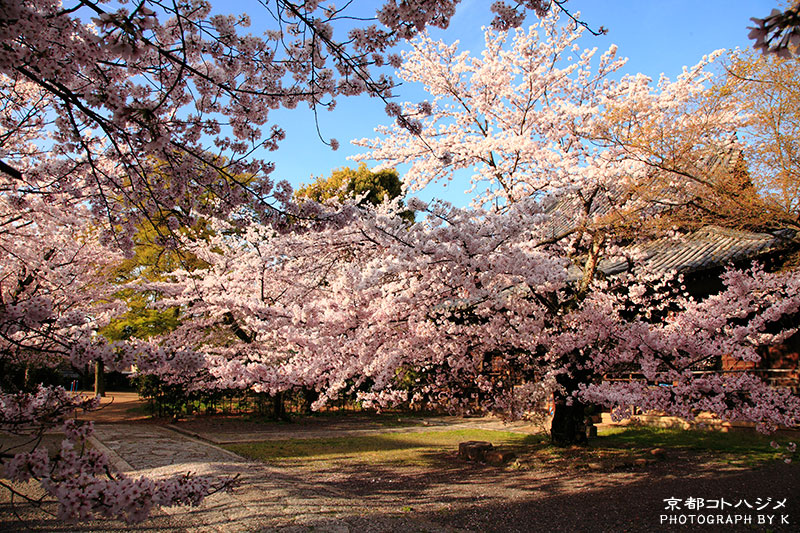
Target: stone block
474	450
658	453
498	457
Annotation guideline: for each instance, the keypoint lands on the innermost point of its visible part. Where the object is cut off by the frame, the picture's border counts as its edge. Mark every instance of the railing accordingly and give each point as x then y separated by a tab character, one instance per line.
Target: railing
776	377
238	402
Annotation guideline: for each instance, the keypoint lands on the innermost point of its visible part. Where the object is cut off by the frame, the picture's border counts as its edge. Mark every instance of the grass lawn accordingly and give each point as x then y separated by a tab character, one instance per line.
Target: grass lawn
735	447
615	448
387	419
412	448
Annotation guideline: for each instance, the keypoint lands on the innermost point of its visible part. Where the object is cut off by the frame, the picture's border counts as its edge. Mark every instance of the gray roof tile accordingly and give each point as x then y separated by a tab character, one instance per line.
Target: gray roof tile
707	247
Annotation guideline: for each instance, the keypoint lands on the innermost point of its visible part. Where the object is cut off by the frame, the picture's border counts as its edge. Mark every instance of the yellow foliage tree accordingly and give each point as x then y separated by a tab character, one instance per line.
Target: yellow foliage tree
767	88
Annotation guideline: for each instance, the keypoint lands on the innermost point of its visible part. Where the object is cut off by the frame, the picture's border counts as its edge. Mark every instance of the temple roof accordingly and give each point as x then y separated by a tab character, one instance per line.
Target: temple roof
708	247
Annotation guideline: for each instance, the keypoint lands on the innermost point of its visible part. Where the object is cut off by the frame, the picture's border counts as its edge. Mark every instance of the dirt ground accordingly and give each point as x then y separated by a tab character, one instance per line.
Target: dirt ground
453	495
118	407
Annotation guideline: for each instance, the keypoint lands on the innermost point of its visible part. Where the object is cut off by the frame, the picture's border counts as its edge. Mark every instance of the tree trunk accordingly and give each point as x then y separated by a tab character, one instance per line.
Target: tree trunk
568	426
309	396
99	379
278	408
569	415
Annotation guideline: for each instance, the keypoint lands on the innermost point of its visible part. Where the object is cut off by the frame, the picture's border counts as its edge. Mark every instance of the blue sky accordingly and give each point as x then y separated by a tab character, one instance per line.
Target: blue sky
658	36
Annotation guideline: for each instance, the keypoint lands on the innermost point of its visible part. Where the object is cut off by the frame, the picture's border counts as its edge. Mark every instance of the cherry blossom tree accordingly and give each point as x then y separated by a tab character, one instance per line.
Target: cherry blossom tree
537	117
132	90
369	300
468	310
53	300
117	115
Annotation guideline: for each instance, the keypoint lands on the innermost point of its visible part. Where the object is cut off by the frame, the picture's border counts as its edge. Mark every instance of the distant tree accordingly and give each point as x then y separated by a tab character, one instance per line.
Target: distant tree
347	182
372	188
149	261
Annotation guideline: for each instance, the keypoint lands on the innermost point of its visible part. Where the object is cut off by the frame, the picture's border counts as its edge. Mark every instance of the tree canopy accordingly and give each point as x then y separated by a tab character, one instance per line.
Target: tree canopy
346	182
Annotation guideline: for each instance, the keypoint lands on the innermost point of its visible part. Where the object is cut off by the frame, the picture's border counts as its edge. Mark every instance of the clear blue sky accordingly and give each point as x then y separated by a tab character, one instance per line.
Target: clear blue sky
658	36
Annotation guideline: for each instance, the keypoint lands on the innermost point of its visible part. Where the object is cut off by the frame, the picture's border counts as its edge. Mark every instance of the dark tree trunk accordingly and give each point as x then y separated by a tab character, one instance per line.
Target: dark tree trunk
99	379
569	414
309	397
278	408
568	426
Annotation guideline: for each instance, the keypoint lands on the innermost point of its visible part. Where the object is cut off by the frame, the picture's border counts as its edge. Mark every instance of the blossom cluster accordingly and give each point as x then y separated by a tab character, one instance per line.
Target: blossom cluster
79	479
536	114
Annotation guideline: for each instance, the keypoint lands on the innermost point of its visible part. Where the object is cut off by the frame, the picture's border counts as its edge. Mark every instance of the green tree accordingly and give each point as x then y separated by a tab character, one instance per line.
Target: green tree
348	182
150	261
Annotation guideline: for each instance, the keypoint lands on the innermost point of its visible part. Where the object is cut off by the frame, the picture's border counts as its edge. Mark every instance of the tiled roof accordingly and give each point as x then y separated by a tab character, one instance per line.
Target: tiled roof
705	248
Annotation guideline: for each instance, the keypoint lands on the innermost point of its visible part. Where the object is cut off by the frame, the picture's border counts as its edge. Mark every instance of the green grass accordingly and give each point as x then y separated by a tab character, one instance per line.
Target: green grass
419	448
143	409
715	441
615	448
389	420
746	447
